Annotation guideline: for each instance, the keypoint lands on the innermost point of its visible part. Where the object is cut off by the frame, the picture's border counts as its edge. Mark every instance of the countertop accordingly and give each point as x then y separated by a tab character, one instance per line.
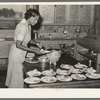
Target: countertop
91	44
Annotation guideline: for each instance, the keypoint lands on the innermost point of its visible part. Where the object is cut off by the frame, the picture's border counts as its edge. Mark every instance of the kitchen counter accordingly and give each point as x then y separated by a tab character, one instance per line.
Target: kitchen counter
91	44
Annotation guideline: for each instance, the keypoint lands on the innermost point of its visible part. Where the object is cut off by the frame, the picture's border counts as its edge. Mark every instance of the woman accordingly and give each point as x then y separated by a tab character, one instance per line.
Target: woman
19	49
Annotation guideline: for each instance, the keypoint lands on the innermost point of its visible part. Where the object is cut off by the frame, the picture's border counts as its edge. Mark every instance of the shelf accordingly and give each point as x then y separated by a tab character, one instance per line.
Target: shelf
87	55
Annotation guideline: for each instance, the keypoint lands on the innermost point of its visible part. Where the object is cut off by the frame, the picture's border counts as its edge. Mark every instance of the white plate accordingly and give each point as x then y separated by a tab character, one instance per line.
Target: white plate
80	66
93	75
62	72
78	76
31	61
90	70
49	72
32	80
66	66
64	78
30	55
76	71
48	79
34	73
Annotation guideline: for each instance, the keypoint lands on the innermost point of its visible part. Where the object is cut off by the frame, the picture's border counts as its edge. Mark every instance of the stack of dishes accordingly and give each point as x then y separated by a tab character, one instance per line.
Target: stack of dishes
33	79
49	76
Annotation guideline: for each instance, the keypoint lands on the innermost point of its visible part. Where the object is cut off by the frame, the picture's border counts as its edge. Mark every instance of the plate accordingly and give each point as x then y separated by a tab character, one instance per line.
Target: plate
31	60
48	79
49	72
32	80
34	72
93	75
76	71
65	66
80	66
90	70
30	55
78	76
64	78
62	72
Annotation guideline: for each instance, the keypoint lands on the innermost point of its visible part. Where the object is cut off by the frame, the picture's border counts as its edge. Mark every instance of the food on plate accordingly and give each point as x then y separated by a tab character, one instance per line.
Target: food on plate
64	78
32	80
31	60
30	55
89	70
34	72
62	72
49	72
78	65
66	66
49	79
93	75
78	76
74	70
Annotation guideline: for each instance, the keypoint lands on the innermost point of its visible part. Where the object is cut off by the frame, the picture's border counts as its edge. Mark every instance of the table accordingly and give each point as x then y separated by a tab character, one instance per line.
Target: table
93	45
65	58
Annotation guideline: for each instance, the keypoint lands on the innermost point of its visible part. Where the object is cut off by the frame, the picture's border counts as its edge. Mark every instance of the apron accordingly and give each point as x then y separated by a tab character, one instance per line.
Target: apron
16	58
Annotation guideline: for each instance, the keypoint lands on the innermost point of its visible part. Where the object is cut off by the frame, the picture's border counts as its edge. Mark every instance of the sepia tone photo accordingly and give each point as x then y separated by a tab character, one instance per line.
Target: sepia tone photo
49	46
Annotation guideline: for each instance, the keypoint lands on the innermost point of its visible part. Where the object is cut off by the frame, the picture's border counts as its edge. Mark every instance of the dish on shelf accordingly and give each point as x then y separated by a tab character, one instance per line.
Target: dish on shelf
32	80
34	72
89	70
49	79
78	76
78	65
64	78
49	72
66	66
76	71
31	60
62	72
93	75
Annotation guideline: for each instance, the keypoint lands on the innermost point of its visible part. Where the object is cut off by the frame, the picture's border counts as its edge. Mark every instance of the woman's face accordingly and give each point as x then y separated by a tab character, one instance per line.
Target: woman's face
33	20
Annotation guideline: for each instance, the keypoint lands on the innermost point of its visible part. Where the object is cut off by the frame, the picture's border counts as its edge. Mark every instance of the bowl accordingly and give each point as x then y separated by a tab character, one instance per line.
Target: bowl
54	56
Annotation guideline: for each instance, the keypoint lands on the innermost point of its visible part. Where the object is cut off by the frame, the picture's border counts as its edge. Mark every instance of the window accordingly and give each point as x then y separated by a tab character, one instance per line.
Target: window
10	15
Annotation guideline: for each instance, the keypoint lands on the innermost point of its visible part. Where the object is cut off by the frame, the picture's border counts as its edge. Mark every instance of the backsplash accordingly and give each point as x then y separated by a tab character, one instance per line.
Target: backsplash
58	30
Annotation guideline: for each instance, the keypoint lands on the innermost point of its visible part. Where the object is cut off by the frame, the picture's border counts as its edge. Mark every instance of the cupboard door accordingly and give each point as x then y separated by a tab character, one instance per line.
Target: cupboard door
85	14
97	20
74	14
60	13
47	13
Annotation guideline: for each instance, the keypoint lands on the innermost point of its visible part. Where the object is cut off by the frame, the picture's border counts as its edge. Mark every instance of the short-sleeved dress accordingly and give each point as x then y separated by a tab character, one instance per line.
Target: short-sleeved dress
14	77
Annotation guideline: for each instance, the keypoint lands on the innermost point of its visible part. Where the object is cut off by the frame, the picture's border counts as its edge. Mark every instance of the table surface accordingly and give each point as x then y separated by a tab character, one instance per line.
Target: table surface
65	59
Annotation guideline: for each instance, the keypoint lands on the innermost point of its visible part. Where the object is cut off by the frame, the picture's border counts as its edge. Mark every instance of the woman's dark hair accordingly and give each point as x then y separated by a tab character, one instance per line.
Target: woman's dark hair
31	12
34	12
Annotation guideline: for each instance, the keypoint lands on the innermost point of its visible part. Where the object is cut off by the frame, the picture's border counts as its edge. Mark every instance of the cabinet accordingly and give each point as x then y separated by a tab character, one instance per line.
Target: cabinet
67	14
93	45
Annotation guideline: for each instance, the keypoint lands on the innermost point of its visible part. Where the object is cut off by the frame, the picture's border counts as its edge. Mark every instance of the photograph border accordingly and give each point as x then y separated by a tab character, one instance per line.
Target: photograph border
4	94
